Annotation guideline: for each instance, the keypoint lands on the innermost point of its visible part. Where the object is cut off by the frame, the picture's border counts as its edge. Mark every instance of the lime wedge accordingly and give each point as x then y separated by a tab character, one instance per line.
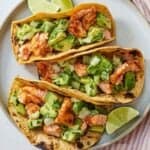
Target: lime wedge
64	4
42	6
119	117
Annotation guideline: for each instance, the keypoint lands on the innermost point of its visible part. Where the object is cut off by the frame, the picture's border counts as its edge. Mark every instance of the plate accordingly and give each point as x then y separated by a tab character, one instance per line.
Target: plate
132	31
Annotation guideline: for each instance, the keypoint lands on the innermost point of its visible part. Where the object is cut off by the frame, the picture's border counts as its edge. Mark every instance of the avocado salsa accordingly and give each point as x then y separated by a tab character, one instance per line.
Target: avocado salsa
94	74
63	117
46	37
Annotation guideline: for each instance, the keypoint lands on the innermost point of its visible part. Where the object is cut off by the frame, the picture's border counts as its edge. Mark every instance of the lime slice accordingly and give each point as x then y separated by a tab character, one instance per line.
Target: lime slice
119	117
64	4
42	6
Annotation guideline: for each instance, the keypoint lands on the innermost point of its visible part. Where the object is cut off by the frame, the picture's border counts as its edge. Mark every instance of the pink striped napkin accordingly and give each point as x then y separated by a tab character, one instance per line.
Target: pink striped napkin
139	138
144	7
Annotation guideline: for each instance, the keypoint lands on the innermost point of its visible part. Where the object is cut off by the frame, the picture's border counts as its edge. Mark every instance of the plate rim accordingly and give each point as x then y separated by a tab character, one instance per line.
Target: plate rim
96	147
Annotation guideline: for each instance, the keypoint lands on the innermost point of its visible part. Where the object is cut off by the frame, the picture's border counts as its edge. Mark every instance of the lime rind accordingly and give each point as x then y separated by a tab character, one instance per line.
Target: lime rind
119	117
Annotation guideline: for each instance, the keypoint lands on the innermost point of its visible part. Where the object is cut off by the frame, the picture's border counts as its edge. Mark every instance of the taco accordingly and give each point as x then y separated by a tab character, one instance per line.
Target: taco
46	36
102	75
52	121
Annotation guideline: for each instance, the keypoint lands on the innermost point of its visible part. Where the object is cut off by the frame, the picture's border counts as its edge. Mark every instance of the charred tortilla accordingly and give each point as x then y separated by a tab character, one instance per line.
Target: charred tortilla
36	136
127	92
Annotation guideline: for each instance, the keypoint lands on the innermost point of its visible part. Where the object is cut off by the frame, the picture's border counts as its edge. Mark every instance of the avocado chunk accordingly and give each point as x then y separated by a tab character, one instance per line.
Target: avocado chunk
51	107
47	26
62	24
50	110
20	109
34	123
86	80
51	97
94	34
56	36
62	79
75	84
14	98
103	21
65	44
101	66
25	32
67	67
47	111
77	106
58	33
36	24
130	80
96	129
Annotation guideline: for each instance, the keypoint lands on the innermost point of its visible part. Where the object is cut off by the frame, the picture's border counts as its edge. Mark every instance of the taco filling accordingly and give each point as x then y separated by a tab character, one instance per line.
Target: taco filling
41	38
95	73
63	117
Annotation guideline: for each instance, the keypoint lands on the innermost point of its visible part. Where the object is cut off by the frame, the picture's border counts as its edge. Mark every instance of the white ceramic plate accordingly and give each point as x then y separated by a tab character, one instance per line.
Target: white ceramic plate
132	31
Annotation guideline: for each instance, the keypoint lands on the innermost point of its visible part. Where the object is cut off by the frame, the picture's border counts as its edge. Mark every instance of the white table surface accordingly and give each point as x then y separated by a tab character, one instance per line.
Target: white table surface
5	125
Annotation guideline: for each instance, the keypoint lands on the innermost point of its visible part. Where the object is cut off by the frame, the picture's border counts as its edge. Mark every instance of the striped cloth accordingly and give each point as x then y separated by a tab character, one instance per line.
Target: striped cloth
139	138
144	7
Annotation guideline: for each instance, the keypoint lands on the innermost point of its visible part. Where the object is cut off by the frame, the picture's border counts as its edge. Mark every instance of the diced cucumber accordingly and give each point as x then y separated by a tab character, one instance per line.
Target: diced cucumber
95	60
35	115
104	75
96	79
84	112
48	121
69	136
34	123
91	89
